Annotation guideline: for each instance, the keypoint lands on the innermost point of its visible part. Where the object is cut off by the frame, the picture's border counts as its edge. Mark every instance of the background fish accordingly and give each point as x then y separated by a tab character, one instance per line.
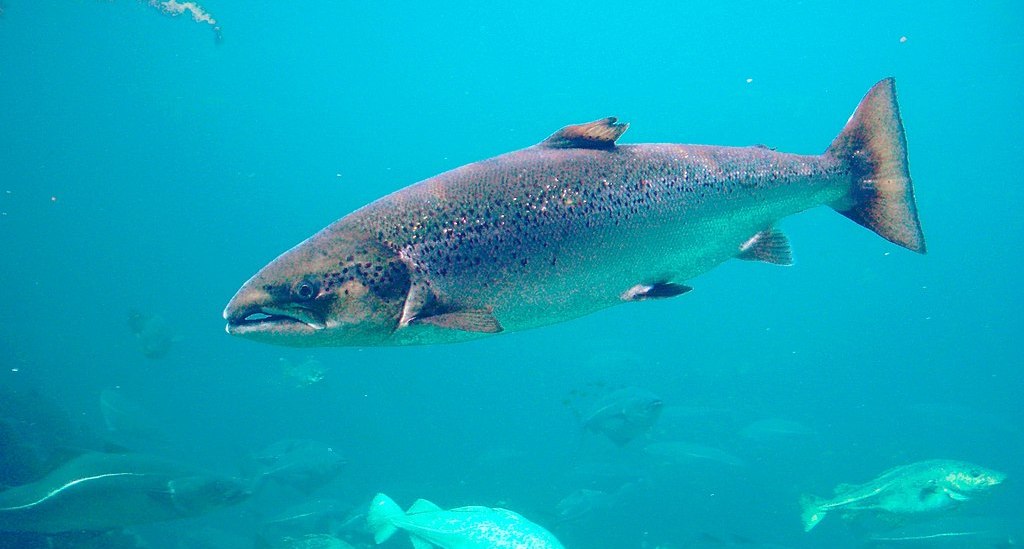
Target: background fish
688	454
106	491
152	333
623	414
572	225
920	487
472	527
300	464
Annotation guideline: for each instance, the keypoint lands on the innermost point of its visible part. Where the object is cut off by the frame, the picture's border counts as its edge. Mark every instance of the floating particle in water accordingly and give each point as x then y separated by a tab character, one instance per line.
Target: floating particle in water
750	80
175	8
903	40
53	199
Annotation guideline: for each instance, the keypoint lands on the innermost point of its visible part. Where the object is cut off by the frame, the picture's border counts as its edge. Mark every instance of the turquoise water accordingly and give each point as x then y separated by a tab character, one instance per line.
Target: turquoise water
149	163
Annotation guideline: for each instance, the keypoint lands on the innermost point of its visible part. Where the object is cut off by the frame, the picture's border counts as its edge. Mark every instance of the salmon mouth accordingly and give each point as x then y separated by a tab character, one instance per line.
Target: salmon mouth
257	319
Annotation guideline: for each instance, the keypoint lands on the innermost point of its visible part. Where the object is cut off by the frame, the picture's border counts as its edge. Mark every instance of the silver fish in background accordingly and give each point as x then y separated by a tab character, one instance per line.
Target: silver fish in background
954	531
567	227
99	492
687	455
152	333
302	465
921	487
623	414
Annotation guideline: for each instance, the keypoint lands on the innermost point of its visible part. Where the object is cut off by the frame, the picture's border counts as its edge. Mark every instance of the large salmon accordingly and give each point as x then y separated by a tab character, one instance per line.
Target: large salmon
567	227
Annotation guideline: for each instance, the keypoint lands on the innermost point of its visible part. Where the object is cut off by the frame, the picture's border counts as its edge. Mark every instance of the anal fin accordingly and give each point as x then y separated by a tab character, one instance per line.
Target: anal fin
769	246
657	290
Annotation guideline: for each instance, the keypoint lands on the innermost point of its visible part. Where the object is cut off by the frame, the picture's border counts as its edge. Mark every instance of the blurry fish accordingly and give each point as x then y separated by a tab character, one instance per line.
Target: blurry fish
606	476
953	532
35	434
313	541
461	528
920	487
106	491
624	414
212	537
710	541
775	428
316	516
353	526
127	423
698	422
581	503
676	453
301	464
151	332
567	227
303	374
112	539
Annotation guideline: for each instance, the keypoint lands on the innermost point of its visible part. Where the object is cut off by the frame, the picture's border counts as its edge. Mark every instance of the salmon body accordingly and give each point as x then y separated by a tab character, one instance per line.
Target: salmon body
572	225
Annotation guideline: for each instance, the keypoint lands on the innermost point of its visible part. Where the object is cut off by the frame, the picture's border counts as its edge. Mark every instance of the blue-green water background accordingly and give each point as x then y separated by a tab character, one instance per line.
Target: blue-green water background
144	165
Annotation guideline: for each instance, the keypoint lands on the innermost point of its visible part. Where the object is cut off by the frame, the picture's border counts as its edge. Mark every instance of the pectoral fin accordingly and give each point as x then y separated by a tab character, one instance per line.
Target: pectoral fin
956	496
470	320
770	246
657	290
420	300
423	306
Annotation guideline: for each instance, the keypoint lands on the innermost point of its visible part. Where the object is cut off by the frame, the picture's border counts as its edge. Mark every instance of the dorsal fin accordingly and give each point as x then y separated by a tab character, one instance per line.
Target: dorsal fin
769	245
422	506
599	134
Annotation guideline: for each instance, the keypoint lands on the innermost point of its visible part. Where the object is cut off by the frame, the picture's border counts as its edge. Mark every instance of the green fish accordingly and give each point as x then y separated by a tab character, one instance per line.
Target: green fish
567	227
100	492
921	487
472	527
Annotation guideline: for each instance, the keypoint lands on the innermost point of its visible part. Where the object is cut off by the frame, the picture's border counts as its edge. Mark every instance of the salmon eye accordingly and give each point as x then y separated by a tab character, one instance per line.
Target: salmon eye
305	289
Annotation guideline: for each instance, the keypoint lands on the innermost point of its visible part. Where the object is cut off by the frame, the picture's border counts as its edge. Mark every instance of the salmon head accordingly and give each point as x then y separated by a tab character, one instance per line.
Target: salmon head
339	287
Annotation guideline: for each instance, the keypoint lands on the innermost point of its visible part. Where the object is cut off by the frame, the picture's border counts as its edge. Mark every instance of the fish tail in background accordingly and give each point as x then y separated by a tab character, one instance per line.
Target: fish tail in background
812	511
874	149
381	516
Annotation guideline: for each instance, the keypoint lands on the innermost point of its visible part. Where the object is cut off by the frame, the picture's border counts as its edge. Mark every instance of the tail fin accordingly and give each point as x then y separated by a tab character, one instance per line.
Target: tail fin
381	517
811	511
874	150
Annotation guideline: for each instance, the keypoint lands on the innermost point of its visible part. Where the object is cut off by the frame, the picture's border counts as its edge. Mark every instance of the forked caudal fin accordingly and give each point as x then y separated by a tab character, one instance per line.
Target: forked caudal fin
874	149
381	516
811	511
